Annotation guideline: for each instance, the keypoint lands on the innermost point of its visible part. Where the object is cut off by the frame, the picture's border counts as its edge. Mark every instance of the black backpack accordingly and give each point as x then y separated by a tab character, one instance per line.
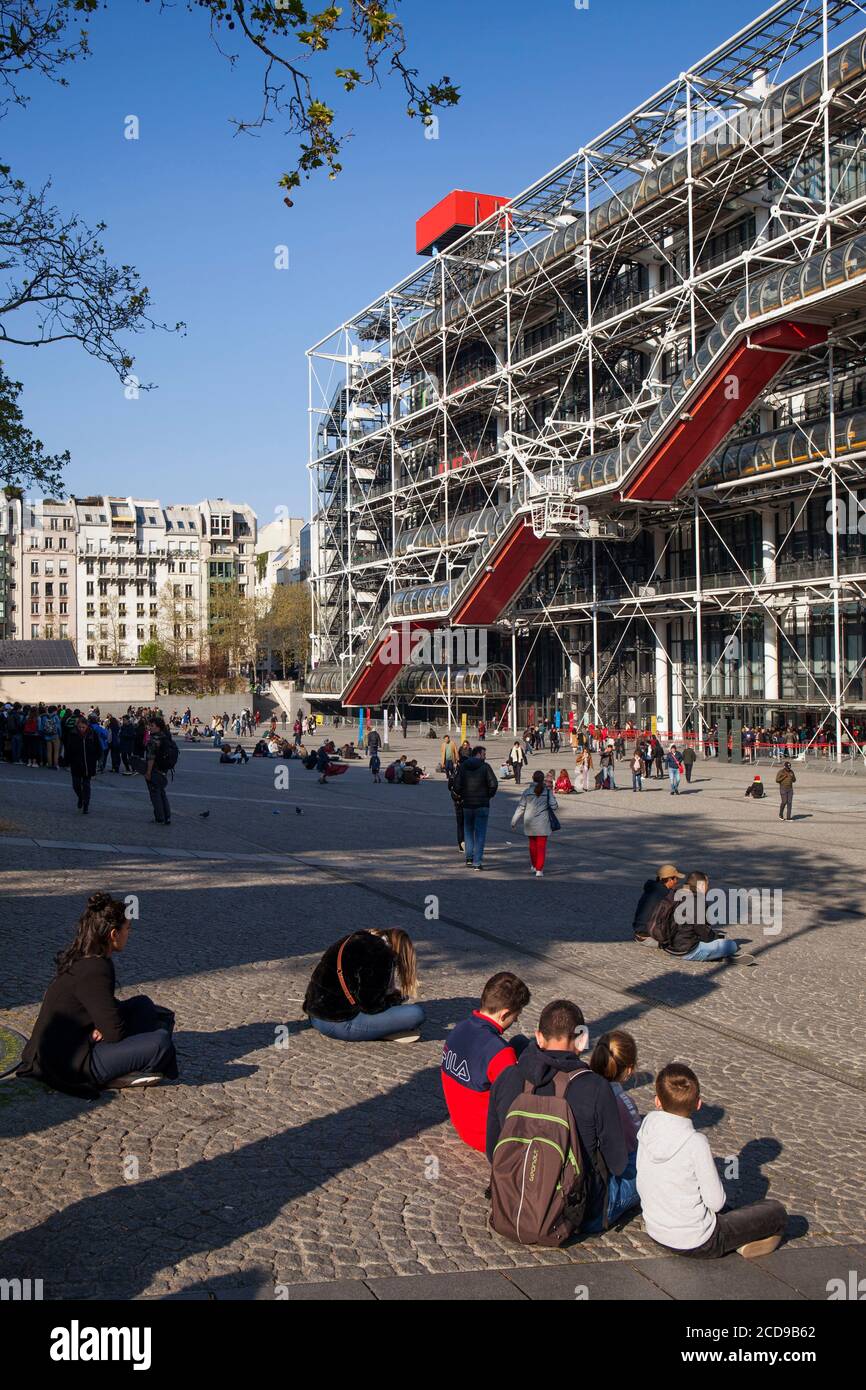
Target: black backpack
167	753
662	924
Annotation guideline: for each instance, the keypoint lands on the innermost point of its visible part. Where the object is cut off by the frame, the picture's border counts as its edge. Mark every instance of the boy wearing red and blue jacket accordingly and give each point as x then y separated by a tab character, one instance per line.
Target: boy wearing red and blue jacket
476	1053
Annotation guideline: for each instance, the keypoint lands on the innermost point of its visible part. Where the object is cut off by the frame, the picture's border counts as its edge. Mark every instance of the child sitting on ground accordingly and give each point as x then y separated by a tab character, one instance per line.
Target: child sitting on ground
475	1053
564	784
681	1193
756	788
615	1057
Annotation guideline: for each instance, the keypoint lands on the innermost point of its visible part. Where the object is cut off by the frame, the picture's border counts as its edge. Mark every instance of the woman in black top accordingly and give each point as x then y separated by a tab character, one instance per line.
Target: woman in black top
82	756
85	1038
362	989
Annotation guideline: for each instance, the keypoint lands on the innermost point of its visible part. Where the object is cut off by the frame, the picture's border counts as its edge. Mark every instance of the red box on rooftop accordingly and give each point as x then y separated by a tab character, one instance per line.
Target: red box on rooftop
458	211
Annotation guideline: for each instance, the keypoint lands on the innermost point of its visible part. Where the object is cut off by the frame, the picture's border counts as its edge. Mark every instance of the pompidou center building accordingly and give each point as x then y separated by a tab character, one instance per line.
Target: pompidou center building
616	425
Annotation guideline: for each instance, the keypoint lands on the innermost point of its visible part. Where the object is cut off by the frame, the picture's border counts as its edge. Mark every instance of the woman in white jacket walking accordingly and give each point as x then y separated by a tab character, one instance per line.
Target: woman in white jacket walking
534	807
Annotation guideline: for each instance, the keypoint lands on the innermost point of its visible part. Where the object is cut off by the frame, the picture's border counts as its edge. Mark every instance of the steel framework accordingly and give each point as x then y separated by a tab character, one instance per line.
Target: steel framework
621	363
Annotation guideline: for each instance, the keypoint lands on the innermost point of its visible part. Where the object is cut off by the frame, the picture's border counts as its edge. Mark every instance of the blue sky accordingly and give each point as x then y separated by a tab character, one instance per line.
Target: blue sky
198	211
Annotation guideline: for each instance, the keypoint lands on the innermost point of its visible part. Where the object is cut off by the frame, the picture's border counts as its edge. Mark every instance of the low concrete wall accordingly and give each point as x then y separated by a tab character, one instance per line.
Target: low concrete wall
85	686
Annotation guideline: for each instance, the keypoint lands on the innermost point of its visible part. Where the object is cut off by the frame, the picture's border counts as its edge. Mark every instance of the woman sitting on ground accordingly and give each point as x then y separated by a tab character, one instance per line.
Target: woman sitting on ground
564	784
85	1039
363	989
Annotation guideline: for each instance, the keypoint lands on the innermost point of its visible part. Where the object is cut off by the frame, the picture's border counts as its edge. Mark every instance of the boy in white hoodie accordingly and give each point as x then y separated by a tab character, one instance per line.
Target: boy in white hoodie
680	1190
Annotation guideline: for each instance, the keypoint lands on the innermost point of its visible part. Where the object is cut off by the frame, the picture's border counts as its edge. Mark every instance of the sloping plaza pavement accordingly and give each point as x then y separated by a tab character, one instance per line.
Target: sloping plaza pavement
282	1165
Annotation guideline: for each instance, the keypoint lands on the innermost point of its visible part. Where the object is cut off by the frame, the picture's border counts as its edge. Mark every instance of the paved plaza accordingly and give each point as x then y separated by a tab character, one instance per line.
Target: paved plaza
285	1165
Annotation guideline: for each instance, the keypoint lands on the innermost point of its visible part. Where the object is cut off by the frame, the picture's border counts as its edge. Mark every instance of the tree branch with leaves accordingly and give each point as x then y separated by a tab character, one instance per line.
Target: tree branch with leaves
287	36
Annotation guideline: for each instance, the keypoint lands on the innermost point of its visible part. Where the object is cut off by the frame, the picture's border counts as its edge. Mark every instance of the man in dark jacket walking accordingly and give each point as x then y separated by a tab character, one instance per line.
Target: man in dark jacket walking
475	784
156	768
126	744
561	1036
688	758
82	755
654	890
786	778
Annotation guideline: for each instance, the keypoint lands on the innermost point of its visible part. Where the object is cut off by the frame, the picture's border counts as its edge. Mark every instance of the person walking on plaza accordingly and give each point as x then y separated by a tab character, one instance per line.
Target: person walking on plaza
30	733
674	768
606	764
82	756
114	743
517	760
160	758
583	768
476	784
688	758
658	758
785	779
637	772
126	744
103	739
536	809
646	752
457	802
448	755
50	730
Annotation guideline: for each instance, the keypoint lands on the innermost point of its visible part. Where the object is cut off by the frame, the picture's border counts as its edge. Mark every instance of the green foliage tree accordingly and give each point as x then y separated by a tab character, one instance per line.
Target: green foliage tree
23	460
284	628
156	654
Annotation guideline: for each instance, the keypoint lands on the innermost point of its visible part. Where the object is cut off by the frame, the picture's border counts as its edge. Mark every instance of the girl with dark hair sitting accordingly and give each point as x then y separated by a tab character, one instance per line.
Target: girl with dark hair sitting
85	1039
615	1058
364	987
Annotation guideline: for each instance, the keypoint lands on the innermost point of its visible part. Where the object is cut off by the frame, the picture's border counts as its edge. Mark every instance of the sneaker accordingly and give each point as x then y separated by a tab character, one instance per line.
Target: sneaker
402	1037
754	1249
539	873
462	847
134	1078
478	868
468	863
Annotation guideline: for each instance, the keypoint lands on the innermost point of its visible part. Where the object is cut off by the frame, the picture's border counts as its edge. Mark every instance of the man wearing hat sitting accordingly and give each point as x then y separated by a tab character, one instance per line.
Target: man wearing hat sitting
654	890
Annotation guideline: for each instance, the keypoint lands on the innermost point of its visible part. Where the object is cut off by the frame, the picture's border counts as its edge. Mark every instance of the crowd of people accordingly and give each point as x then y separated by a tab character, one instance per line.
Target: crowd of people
55	737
